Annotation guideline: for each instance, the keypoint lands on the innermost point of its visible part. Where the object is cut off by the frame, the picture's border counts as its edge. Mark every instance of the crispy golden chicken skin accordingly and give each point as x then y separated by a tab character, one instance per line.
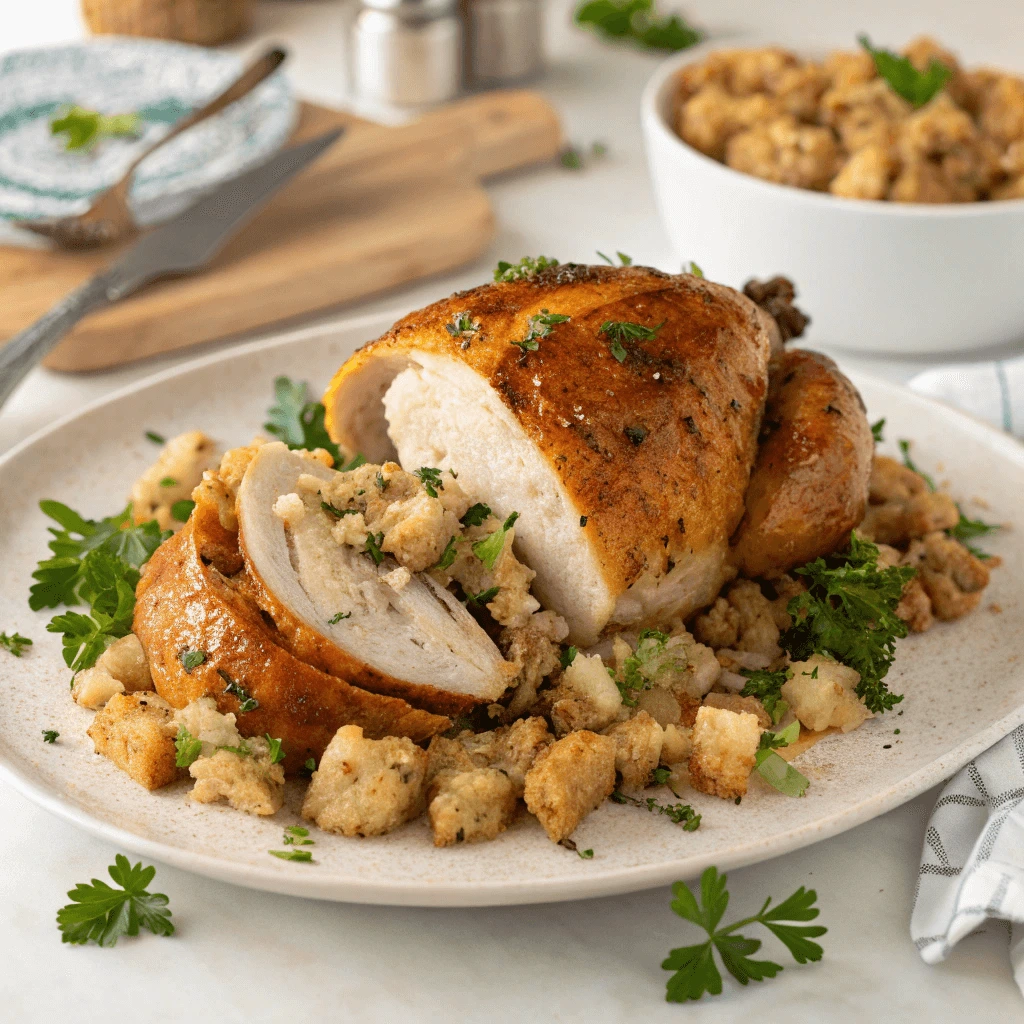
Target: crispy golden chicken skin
184	604
627	462
809	487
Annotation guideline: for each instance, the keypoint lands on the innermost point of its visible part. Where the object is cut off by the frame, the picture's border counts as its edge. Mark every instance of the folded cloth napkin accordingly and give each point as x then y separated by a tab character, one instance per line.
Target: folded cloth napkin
991	391
972	866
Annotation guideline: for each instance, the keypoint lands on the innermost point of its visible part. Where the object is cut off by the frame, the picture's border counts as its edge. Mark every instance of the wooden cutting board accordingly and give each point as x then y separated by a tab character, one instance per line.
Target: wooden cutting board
382	207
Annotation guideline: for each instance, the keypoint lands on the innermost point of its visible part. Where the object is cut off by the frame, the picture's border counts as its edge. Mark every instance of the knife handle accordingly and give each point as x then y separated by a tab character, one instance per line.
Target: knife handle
29	346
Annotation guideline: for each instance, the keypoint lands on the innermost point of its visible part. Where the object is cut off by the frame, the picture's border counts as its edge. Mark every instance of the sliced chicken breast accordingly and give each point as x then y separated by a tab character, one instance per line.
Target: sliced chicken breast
624	436
339	611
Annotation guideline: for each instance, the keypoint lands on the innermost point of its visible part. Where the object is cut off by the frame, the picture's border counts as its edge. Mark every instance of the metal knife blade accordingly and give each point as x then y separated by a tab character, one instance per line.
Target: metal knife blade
186	242
190	240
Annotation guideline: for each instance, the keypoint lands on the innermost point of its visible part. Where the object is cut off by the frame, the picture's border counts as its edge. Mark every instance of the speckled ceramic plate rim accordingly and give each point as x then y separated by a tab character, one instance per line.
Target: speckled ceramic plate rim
526	890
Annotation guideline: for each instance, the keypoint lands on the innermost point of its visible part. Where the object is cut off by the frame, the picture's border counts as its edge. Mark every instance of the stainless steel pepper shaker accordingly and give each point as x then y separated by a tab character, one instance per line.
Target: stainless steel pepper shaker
504	40
407	53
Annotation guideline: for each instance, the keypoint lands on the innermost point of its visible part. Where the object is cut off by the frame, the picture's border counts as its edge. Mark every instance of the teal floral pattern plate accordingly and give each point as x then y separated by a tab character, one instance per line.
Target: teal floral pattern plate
161	82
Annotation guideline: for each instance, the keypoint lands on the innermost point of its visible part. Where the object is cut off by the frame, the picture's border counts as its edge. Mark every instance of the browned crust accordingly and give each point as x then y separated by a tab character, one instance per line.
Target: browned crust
184	604
313	648
678	490
809	487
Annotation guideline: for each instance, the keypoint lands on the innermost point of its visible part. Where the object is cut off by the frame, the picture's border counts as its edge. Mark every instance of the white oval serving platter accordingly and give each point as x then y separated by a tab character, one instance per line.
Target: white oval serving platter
964	681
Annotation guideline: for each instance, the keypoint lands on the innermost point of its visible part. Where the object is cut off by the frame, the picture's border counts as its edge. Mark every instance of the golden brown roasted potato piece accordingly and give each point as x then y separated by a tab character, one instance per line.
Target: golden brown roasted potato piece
184	604
809	488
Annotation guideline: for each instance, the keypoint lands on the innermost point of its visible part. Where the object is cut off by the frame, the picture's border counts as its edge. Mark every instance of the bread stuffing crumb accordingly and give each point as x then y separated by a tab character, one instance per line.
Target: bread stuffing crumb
131	730
724	745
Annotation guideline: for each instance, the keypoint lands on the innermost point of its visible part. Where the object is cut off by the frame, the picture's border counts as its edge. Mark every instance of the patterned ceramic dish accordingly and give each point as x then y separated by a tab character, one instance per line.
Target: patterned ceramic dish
162	82
963	681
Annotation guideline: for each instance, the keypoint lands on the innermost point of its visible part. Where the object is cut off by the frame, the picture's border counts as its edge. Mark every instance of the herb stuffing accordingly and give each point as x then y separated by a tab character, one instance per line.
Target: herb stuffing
694	967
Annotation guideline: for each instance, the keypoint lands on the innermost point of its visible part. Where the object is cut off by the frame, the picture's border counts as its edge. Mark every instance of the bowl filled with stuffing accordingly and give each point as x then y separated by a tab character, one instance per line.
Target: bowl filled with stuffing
890	185
575	582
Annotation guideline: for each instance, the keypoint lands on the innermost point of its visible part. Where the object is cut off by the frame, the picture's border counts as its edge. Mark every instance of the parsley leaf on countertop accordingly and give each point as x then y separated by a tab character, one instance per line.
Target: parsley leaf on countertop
916	87
695	969
101	914
15	643
849	613
638	21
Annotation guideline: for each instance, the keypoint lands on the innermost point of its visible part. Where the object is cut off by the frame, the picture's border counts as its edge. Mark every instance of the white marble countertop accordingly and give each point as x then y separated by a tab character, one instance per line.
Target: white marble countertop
241	955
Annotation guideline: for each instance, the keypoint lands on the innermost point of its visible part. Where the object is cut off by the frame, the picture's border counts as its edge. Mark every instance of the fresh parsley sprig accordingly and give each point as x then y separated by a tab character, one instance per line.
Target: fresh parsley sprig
966	530
767	688
849	613
904	447
102	914
527	268
637	20
84	127
695	969
15	643
916	87
299	422
877	429
431	480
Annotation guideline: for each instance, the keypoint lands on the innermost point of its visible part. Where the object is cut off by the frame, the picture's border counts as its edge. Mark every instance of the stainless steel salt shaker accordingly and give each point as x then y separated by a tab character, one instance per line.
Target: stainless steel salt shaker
504	41
407	53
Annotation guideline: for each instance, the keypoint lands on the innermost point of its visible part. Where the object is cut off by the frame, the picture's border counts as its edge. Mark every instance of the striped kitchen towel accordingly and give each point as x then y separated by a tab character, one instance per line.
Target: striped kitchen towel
991	391
972	866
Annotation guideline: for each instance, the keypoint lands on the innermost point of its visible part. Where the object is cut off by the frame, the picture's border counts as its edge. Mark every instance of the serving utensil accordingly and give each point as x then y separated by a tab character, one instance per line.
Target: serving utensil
183	245
110	218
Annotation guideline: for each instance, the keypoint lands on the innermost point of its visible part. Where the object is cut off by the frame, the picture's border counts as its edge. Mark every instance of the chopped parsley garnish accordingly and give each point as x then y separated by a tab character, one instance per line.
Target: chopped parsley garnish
876	430
909	463
775	770
152	435
583	521
84	127
585	854
338	513
490	548
645	664
483	597
680	814
695	270
303	856
276	752
849	613
661	775
384	483
619	332
338	617
916	87
462	325
310	766
373	543
476	514
624	260
637	21
449	554
694	966
526	268
296	835
102	914
766	687
168	481
242	750
567	657
191	660
246	701
181	510
15	643
572	158
50	735
187	748
539	326
431	480
637	435
300	422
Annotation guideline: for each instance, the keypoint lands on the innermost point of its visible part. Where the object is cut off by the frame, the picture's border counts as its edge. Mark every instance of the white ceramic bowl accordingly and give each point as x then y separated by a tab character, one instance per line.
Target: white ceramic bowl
894	278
